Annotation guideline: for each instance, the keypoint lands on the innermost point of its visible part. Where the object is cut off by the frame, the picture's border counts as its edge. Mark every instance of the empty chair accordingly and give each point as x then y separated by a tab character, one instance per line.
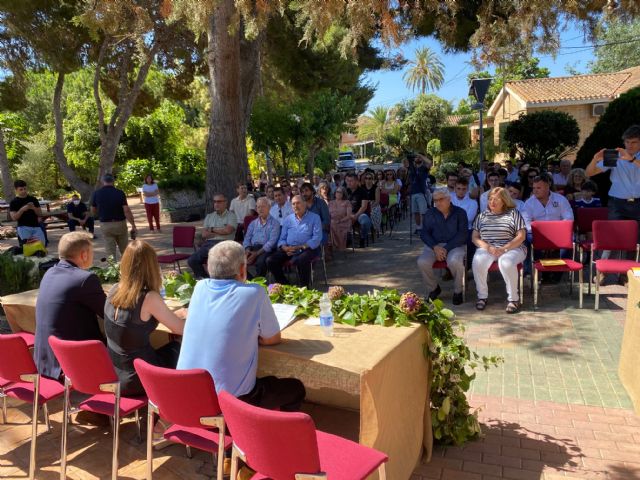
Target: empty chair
183	237
613	235
21	380
554	235
188	400
287	446
88	369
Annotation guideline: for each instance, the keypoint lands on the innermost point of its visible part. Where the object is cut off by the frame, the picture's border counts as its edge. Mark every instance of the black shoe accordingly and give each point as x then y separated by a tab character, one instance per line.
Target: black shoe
457	298
435	294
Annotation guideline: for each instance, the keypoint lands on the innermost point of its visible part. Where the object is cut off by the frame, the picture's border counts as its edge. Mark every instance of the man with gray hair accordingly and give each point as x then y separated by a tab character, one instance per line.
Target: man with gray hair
110	205
227	320
262	237
444	233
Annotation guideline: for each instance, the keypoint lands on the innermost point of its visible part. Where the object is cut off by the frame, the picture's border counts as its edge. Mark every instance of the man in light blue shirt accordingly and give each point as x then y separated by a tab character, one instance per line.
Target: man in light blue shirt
262	237
624	194
300	239
227	320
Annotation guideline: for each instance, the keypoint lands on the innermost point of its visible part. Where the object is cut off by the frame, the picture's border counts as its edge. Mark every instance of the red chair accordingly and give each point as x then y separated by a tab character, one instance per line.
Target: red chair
183	237
613	235
584	221
22	381
247	220
287	446
554	235
196	417
29	338
496	268
437	265
88	369
388	212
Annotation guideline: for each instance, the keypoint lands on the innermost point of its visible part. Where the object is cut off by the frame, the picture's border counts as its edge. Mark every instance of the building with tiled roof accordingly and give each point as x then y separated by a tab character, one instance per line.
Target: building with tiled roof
585	97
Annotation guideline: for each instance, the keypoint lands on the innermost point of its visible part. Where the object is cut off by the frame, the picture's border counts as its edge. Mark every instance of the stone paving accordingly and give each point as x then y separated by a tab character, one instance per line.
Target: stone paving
554	409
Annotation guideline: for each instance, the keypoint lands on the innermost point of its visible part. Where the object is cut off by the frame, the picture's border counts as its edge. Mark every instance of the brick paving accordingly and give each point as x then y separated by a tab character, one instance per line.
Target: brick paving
555	408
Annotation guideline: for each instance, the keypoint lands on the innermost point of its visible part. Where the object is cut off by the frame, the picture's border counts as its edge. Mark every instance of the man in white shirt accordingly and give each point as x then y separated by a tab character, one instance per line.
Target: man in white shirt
281	207
545	204
243	203
515	192
461	199
560	179
493	179
512	173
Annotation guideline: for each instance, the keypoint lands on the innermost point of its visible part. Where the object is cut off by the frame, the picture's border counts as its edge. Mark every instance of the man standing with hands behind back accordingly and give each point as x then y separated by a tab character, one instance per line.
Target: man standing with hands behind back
624	194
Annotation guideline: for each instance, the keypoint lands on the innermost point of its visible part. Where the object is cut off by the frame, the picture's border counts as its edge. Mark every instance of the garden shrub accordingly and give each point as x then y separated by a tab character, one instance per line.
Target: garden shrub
183	182
454	138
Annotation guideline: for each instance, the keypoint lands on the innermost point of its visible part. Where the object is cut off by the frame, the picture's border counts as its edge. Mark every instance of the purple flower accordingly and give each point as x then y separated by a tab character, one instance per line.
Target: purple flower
410	303
275	289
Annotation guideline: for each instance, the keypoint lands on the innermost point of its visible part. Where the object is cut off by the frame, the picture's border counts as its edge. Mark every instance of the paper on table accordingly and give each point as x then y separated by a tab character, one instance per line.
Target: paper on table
284	314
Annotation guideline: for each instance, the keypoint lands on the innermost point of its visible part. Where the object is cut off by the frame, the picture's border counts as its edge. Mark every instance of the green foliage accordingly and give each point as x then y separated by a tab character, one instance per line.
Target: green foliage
182	182
543	136
426	72
306	300
17	274
179	285
15	131
619	115
132	175
454	138
619	46
108	274
420	120
434	148
39	170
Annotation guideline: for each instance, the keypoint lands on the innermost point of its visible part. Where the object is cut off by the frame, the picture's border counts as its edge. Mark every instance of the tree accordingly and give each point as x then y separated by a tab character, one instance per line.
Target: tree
426	71
375	125
420	120
543	136
619	48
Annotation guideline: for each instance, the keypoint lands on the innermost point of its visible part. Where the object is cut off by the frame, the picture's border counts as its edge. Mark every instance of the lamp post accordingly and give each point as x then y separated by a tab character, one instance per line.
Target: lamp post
478	90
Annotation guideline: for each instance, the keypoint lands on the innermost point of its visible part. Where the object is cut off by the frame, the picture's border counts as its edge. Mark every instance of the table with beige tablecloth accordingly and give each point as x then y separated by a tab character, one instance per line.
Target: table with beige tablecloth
630	351
378	372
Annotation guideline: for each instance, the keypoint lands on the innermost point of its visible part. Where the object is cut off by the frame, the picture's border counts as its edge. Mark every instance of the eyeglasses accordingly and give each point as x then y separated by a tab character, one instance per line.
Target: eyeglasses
219	201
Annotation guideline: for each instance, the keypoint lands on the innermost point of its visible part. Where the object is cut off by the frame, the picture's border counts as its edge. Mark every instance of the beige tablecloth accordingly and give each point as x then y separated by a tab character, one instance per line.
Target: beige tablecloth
628	368
379	371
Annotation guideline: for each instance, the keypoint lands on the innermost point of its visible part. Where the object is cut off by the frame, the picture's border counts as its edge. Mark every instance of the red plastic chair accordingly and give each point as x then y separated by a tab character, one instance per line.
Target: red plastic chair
183	237
88	369
247	220
584	218
496	268
22	381
613	235
287	446
29	338
437	265
196	416
554	235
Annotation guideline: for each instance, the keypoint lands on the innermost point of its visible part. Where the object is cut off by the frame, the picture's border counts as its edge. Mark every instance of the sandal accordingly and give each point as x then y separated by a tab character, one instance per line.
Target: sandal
513	307
481	304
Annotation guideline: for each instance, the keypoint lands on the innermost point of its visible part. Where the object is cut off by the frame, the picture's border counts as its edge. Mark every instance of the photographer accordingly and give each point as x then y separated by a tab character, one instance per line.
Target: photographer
624	194
419	166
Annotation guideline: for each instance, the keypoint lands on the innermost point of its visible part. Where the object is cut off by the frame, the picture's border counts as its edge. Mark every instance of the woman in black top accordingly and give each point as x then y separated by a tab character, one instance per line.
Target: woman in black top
372	193
132	311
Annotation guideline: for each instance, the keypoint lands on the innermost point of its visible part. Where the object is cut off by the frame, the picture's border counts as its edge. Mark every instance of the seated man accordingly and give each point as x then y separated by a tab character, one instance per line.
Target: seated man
69	301
299	242
464	201
261	238
219	225
359	206
79	215
281	207
227	320
444	232
493	181
25	210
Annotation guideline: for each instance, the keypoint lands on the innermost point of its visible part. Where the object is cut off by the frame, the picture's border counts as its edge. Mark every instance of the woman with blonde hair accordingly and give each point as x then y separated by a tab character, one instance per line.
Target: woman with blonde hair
499	234
575	180
132	311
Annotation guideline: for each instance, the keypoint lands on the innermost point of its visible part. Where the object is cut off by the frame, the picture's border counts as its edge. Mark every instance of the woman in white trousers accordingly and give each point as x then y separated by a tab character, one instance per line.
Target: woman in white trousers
499	233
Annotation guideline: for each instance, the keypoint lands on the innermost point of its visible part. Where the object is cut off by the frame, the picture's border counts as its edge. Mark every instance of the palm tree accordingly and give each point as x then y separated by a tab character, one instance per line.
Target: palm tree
375	125
426	72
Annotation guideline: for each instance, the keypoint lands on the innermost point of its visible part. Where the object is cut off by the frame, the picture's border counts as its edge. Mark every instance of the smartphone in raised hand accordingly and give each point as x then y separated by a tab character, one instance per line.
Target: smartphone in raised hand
610	157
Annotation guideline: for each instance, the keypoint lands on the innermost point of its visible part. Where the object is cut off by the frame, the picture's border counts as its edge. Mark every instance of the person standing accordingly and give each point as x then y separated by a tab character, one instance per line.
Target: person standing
78	214
242	204
151	194
25	209
419	190
110	205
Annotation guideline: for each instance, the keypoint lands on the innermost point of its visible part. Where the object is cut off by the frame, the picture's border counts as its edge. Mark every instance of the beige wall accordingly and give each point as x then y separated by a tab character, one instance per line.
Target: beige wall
508	110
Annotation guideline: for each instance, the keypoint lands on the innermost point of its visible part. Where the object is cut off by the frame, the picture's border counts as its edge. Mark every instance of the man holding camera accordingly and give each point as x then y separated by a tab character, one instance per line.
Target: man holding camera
624	163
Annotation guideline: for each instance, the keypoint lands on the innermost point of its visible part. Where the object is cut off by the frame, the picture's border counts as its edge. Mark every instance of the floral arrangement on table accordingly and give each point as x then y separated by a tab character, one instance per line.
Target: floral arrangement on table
453	363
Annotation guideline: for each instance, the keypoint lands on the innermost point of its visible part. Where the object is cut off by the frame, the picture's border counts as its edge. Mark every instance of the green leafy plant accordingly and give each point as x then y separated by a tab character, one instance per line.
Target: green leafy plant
17	274
110	273
179	285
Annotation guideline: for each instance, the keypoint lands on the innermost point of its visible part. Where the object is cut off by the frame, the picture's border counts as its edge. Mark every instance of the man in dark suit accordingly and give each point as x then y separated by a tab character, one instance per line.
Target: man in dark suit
69	301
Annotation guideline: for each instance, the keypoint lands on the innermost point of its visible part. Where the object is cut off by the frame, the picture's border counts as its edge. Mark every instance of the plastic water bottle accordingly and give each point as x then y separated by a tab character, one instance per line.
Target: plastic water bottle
326	316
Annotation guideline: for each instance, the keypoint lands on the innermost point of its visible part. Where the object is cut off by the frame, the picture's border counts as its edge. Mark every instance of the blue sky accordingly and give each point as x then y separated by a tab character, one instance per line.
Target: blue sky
391	89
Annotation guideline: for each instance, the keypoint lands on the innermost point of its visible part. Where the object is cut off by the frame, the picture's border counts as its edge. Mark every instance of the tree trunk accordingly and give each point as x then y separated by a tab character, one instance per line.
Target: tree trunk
74	180
234	73
311	159
5	173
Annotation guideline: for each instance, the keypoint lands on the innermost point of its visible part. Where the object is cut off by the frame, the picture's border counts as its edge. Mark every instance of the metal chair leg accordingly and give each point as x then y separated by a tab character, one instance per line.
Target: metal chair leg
149	443
382	472
535	288
597	290
220	455
34	428
521	286
116	431
45	412
65	428
189	454
580	279
4	406
138	426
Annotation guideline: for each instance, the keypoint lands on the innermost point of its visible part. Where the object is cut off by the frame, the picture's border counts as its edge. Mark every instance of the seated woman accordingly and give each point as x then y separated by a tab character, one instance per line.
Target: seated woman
573	189
132	311
390	186
499	234
340	212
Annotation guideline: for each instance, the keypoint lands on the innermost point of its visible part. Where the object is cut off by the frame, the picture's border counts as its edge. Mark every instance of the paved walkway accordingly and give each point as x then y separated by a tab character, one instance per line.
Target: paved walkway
554	409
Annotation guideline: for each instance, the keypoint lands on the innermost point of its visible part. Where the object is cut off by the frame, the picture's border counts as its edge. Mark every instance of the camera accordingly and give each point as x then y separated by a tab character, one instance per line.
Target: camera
411	156
610	157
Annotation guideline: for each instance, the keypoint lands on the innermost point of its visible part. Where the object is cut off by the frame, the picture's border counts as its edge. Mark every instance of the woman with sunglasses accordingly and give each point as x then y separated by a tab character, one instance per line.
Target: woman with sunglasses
373	195
390	186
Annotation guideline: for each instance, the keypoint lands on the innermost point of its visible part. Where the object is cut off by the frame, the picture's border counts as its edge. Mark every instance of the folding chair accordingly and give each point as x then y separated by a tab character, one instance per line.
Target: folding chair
287	446
554	235
584	218
613	235
88	369
187	399
22	381
183	237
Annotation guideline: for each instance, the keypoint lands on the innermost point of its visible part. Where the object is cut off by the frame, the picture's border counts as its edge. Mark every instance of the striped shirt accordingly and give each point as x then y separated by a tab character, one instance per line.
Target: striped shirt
498	229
